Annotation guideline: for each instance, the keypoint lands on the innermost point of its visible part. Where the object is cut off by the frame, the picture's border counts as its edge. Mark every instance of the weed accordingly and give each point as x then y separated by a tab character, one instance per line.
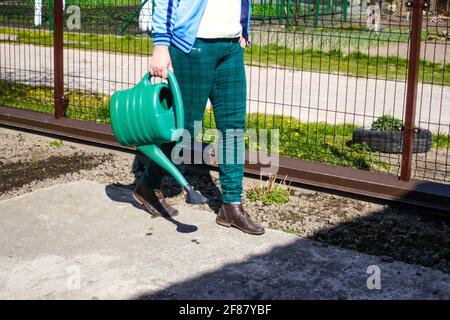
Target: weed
270	192
56	143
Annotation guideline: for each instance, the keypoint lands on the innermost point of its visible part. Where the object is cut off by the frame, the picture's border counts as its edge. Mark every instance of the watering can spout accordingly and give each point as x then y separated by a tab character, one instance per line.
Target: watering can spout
193	196
156	154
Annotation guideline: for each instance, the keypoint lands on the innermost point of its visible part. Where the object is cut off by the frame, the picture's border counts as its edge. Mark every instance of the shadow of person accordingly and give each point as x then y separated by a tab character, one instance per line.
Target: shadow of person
199	176
197	173
123	193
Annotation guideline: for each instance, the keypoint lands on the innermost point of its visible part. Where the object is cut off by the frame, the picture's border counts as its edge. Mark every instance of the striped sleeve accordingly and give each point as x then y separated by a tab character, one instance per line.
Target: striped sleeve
162	21
245	19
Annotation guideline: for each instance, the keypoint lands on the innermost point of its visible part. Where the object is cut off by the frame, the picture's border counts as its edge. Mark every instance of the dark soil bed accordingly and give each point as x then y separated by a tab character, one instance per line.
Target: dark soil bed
15	175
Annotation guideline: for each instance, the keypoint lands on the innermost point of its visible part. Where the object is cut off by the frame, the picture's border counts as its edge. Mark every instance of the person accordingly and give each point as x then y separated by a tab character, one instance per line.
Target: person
203	42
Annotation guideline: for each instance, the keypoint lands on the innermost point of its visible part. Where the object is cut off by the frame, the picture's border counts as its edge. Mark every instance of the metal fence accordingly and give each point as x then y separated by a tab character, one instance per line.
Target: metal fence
295	12
317	70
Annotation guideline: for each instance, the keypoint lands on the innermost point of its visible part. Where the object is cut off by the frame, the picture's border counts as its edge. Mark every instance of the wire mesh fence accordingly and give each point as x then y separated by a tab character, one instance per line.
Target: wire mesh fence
331	76
295	12
433	100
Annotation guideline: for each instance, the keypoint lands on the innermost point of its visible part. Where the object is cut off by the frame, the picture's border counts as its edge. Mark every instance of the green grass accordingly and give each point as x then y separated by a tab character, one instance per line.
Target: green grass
80	105
91	3
328	39
58	143
333	36
315	141
121	44
357	64
336	37
441	141
265	10
277	196
105	3
269	10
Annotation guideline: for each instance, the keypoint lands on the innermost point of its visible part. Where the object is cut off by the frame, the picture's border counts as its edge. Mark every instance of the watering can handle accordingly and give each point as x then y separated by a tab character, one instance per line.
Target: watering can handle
178	100
176	93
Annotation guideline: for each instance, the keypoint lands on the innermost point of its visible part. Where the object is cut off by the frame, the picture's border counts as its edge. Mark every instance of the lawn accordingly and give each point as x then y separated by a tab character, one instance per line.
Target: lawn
313	141
128	44
90	107
349	35
91	3
356	63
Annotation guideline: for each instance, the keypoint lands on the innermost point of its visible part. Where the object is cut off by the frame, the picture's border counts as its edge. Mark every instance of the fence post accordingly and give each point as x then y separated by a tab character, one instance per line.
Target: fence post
58	47
316	13
345	9
413	77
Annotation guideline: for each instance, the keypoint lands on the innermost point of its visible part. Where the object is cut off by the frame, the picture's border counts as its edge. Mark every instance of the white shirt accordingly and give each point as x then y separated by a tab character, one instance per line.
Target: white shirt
221	19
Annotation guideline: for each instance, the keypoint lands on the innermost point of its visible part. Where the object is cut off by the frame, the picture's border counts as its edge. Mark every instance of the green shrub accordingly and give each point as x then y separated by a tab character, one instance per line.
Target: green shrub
387	123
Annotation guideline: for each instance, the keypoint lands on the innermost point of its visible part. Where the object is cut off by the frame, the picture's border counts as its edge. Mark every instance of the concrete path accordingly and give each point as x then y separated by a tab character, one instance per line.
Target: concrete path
308	96
84	240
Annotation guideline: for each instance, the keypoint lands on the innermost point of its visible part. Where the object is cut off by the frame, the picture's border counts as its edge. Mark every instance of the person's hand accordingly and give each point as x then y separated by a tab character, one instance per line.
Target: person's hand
243	42
160	62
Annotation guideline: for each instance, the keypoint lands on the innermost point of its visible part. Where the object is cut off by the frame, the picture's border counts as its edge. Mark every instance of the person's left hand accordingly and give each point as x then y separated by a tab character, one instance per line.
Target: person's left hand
243	42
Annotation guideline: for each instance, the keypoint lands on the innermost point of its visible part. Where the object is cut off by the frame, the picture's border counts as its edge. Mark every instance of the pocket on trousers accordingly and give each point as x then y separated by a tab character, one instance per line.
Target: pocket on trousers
196	50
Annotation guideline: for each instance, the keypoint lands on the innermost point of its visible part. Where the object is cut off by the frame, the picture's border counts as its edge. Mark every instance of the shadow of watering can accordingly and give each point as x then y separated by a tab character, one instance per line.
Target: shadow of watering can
148	115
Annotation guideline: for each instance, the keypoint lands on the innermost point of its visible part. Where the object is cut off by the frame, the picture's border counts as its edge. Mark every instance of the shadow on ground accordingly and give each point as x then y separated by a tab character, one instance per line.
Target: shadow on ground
313	270
325	269
199	177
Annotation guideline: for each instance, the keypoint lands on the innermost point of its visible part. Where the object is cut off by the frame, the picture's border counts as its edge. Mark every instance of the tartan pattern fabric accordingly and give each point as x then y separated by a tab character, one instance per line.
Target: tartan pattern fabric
214	69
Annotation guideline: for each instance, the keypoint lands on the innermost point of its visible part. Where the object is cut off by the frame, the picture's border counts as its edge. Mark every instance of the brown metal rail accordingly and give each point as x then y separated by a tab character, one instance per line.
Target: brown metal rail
65	127
389	187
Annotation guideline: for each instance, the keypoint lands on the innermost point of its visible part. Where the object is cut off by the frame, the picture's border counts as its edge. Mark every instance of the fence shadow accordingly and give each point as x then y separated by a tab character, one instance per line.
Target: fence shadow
326	269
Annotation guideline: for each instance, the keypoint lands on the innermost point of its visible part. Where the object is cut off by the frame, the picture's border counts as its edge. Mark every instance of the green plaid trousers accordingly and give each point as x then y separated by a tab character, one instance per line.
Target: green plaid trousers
214	69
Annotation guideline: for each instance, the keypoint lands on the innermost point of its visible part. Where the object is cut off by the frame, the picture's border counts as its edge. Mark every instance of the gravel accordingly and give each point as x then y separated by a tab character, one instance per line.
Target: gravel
432	165
394	232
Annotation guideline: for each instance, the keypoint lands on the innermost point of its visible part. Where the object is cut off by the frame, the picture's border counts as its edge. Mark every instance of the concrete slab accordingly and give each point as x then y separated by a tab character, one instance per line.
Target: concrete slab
85	240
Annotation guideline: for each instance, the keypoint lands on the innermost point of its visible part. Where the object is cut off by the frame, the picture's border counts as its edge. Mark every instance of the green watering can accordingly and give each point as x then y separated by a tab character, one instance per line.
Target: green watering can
148	115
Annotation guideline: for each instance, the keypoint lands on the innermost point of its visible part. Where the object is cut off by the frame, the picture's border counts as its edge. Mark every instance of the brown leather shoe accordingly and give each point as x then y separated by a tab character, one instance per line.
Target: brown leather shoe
153	200
235	215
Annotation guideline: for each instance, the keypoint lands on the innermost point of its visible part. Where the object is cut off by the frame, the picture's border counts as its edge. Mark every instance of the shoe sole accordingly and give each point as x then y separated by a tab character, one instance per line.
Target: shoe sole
142	202
227	224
